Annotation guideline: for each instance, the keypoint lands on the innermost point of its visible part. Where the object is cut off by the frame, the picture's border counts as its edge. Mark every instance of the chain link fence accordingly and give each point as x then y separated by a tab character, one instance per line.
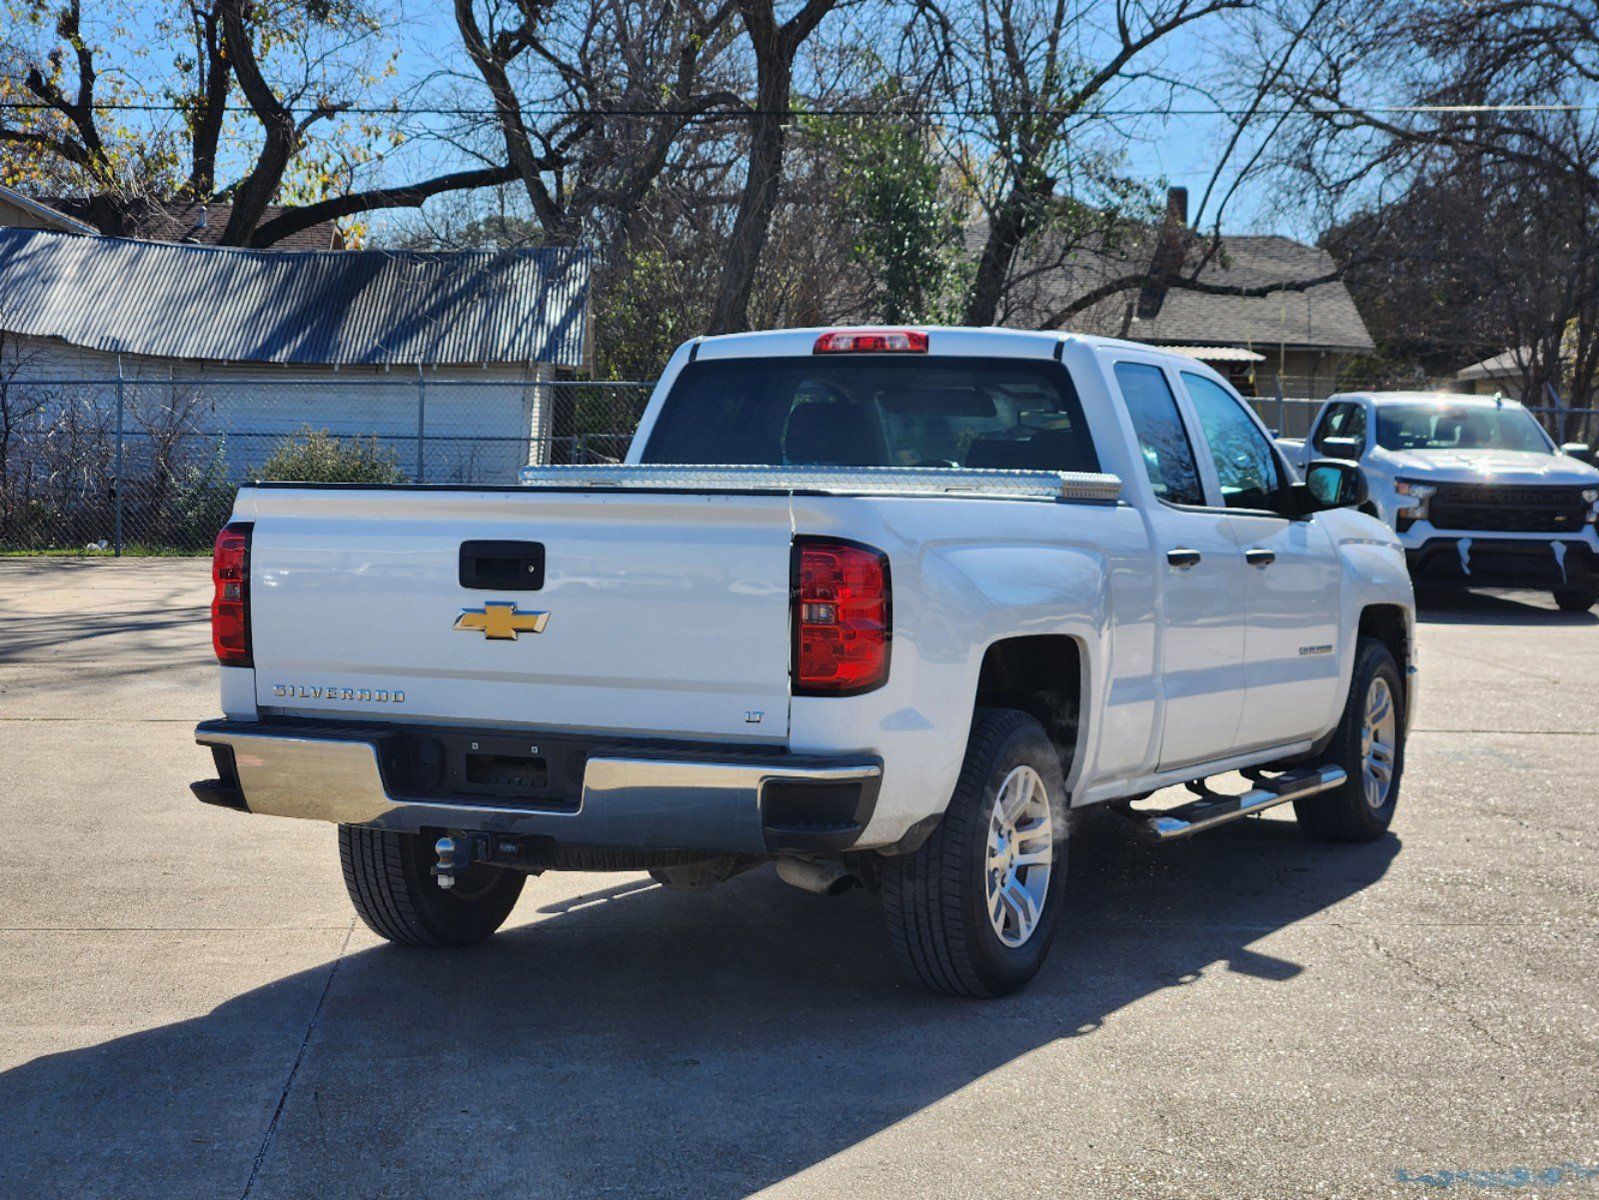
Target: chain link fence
151	466
143	466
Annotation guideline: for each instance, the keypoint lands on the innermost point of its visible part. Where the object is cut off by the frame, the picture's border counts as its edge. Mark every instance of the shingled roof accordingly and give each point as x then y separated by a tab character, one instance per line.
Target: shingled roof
1323	317
194	223
346	307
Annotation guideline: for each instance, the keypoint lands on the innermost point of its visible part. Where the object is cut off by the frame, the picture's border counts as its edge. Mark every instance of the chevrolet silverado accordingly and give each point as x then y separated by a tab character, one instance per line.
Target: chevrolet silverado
1476	490
884	607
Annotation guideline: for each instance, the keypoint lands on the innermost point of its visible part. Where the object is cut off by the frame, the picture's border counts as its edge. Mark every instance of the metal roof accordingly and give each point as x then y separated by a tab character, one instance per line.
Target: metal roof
1217	353
310	307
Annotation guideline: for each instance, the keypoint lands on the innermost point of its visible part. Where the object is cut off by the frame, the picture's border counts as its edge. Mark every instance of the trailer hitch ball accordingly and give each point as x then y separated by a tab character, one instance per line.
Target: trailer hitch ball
456	854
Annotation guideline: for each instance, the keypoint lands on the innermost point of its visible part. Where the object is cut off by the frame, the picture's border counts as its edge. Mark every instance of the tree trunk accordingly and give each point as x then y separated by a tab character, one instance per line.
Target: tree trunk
108	215
1006	229
281	136
768	137
508	117
255	193
207	131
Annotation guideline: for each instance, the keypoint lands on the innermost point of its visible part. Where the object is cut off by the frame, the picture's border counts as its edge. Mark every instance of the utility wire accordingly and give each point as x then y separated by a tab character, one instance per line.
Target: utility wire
745	113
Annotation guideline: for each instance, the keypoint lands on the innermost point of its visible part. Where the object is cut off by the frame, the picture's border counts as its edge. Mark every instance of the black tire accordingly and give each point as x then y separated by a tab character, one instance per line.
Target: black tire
1576	599
935	898
389	878
1344	814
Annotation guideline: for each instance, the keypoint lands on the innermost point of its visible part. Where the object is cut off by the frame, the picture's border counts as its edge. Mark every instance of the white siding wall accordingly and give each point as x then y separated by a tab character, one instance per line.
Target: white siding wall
481	423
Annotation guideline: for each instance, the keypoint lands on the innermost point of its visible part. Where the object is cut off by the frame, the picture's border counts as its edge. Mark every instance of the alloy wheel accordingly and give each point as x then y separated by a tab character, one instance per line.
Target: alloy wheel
1021	853
1379	739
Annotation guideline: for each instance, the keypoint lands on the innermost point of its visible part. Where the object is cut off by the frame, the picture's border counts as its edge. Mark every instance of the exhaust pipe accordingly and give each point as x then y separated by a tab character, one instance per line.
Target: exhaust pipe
823	878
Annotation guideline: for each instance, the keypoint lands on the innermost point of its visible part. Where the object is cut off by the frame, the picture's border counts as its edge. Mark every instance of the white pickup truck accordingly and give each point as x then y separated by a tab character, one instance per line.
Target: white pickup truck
883	606
1476	490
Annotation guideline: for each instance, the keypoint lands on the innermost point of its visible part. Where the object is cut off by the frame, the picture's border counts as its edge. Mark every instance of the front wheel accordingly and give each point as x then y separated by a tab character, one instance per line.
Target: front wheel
972	912
1370	746
390	880
1576	599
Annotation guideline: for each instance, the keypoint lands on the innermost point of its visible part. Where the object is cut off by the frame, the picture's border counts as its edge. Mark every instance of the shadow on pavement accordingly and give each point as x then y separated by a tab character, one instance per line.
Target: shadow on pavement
636	1042
1456	606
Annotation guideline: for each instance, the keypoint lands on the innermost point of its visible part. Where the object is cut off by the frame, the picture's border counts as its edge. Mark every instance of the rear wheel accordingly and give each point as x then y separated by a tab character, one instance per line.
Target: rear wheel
973	911
1576	599
390	881
1370	747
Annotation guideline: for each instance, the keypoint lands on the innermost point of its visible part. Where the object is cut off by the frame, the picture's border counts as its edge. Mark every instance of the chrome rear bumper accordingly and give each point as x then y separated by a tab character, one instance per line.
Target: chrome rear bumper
714	799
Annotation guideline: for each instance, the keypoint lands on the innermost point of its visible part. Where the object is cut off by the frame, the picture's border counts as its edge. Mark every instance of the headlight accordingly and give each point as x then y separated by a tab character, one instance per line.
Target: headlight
1591	495
1415	494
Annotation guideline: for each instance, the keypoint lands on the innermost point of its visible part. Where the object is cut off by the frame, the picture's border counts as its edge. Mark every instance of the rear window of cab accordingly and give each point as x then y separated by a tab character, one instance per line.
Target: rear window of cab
874	411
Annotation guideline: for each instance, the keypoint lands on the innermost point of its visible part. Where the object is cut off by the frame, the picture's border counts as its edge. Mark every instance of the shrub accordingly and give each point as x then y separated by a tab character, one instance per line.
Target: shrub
316	456
197	502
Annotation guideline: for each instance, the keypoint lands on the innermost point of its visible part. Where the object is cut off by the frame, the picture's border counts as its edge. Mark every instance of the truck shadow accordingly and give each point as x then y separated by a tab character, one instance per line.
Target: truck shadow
1456	606
637	1042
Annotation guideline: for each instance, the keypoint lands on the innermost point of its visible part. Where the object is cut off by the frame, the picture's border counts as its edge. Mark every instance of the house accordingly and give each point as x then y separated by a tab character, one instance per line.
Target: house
151	220
18	211
200	224
1499	375
1297	339
448	352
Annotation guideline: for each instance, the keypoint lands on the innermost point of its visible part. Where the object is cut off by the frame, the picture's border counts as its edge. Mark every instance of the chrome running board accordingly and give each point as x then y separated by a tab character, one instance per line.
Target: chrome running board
1211	809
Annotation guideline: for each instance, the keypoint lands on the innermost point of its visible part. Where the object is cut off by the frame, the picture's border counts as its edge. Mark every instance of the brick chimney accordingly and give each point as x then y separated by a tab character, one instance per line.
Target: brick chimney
1171	248
1177	207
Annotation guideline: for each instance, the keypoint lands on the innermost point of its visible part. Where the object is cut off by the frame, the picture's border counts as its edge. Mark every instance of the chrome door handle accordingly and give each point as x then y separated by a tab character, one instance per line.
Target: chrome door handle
1260	557
1183	558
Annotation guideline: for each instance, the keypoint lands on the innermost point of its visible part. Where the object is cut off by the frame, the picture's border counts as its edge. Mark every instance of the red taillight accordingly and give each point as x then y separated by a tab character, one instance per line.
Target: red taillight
841	618
230	605
872	341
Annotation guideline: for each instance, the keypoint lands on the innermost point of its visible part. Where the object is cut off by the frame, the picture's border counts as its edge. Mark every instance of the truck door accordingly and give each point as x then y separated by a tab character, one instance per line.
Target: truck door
1201	577
1292	578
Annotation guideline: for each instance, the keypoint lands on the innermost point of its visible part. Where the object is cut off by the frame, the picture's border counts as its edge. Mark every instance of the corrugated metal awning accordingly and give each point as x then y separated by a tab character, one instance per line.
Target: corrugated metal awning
303	307
1218	353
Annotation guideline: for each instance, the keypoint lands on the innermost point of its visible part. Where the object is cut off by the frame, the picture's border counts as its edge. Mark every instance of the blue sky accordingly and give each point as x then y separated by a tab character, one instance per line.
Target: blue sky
1179	149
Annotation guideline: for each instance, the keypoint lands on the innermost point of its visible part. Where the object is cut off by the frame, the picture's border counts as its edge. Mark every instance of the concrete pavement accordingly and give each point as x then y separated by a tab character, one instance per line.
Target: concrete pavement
188	1008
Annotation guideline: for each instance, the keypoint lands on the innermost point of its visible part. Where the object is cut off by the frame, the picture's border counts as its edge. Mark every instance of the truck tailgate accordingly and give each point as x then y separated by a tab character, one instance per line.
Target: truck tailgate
667	613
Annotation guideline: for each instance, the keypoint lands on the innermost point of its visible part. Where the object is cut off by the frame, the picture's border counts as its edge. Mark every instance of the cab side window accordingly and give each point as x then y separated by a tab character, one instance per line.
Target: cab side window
1335	424
1168	455
1355	425
1245	461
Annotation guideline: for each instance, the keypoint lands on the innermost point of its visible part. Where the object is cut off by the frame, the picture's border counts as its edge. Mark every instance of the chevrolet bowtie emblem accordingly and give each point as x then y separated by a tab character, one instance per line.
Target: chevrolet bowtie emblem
498	619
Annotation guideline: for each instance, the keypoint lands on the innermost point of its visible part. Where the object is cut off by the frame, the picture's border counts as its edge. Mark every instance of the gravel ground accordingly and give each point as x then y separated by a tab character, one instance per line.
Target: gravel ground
188	1008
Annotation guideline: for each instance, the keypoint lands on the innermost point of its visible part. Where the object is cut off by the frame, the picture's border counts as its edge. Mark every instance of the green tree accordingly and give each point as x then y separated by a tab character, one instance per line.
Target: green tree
899	202
653	303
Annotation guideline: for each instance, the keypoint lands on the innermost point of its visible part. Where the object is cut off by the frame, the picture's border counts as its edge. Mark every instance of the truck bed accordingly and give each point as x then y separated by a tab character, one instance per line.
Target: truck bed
659	604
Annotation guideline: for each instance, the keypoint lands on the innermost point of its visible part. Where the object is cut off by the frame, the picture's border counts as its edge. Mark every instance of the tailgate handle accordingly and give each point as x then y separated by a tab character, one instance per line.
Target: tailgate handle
513	566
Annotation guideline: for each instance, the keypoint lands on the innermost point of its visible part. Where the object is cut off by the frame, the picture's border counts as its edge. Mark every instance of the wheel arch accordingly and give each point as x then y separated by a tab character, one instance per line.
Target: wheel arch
1388	624
1392	625
1045	676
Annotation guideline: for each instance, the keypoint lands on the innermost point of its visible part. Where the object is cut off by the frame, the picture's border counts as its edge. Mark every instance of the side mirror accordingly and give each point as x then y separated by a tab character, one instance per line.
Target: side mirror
1331	483
1578	450
1342	447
